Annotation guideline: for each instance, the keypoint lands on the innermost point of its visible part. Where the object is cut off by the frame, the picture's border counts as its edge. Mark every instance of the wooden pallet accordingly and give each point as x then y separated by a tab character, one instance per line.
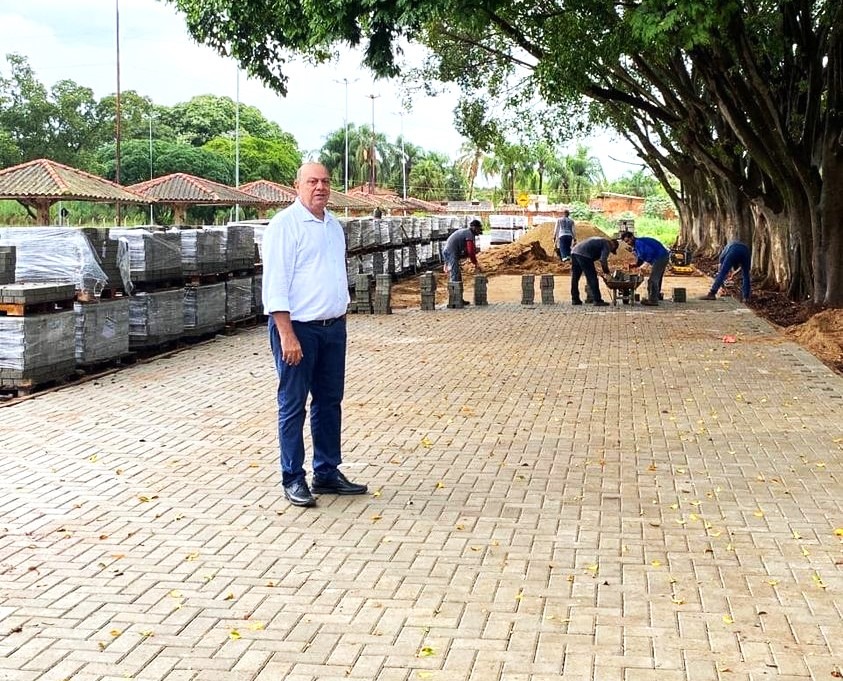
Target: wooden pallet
25	309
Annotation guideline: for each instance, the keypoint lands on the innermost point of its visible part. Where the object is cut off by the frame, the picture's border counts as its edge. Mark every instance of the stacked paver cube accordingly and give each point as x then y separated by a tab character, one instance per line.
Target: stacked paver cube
202	251
101	330
154	257
427	287
204	309
455	292
7	264
382	303
36	349
238	299
110	253
257	294
155	318
363	294
528	289
546	288
481	289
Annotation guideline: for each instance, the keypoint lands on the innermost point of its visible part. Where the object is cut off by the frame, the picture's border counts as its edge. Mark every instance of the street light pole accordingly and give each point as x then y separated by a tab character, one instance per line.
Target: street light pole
372	149
403	156
346	81
151	173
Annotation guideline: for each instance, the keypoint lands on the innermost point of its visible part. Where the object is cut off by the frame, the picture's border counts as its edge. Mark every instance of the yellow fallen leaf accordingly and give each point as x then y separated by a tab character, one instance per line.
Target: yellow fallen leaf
773	582
147	633
805	551
114	633
377	517
728	619
376	493
593	569
656	563
440	485
234	635
256	626
101	645
426	651
758	513
192	556
796	535
93	458
677	600
818	581
520	595
254	464
838	532
229	596
175	593
426	442
425	675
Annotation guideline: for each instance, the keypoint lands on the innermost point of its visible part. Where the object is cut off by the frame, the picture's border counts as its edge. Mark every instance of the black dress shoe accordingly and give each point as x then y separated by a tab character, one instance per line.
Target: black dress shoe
298	493
338	484
465	302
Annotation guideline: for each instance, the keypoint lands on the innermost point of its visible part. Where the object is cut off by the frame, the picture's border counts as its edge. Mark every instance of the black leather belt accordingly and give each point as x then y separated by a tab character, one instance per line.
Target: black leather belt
324	322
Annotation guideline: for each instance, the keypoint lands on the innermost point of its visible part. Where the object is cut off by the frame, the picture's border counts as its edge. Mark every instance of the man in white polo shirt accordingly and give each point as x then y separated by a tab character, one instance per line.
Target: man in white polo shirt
305	292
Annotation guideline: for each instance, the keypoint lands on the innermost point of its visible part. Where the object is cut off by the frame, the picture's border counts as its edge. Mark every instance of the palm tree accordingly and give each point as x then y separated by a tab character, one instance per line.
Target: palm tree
578	175
469	162
427	180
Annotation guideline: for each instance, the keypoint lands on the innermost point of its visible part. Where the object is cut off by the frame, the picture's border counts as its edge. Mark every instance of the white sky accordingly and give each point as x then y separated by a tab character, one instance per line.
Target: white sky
76	40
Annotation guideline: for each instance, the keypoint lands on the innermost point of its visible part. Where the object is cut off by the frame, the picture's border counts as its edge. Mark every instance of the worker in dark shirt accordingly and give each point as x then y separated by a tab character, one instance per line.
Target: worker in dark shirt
459	245
583	257
652	252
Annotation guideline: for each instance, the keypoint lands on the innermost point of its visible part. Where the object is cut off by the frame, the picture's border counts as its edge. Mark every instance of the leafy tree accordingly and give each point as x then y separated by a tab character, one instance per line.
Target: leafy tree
427	180
167	158
204	117
260	159
740	101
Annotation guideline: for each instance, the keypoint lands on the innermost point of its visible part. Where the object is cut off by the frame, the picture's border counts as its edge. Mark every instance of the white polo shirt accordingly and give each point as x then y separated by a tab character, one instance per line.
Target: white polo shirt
304	270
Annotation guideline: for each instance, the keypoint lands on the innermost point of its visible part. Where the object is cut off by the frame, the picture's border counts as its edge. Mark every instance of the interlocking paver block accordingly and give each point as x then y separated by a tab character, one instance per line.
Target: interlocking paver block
582	493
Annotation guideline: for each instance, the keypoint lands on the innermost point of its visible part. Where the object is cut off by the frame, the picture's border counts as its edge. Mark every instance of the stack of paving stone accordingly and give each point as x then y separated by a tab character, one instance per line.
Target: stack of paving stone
238	242
202	252
110	253
528	289
455	295
352	228
154	257
368	233
50	254
382	303
427	286
204	309
257	295
7	264
238	299
36	334
546	286
481	289
363	294
101	330
155	318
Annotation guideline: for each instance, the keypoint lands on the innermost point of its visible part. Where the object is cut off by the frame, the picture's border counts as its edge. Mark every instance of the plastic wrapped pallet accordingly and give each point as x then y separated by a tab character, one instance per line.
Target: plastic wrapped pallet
204	309
238	299
156	317
201	251
7	264
47	254
110	254
101	330
257	295
36	349
259	232
239	245
154	257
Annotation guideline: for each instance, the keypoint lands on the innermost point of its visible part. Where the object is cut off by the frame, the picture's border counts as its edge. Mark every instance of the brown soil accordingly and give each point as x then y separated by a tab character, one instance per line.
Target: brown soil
818	330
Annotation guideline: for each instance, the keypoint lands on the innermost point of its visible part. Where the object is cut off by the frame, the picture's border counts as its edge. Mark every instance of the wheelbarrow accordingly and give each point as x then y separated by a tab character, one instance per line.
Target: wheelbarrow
623	285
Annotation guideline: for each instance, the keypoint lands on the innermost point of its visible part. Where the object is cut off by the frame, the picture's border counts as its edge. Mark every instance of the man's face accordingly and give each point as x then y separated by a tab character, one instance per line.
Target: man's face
314	187
629	241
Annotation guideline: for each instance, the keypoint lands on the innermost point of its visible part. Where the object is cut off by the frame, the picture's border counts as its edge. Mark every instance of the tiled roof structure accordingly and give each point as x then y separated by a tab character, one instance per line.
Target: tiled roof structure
46	180
181	188
270	193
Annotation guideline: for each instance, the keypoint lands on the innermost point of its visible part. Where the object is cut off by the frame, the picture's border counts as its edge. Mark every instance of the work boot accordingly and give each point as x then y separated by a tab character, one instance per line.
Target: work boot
708	296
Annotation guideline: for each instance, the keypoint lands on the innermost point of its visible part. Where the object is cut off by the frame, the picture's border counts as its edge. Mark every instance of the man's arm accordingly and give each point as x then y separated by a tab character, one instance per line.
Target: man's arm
471	251
291	352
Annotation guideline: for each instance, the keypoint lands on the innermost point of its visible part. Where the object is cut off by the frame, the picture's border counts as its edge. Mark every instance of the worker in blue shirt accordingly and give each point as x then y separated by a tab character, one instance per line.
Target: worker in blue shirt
736	256
651	251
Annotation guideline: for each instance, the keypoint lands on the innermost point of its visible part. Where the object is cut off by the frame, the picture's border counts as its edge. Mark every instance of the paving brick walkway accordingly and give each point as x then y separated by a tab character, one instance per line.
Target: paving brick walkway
568	493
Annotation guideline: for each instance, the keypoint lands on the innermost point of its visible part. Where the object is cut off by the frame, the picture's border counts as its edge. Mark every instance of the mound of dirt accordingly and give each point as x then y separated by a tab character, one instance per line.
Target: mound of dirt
822	334
534	253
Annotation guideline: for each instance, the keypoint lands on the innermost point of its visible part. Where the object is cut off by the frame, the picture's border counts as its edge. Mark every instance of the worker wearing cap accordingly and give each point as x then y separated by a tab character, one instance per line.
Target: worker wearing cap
461	244
583	257
652	252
